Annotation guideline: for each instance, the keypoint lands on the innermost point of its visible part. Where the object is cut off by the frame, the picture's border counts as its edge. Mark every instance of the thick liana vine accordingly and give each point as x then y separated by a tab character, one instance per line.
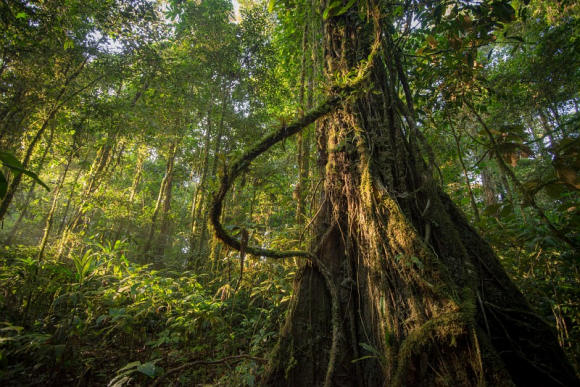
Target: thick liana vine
231	173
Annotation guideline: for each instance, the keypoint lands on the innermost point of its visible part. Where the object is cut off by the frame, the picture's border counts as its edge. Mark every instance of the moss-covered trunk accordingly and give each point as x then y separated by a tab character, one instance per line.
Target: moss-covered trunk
423	299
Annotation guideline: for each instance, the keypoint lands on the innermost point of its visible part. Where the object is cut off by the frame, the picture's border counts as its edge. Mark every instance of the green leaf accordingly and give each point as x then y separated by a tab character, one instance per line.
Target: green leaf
564	207
398	11
327	12
59	351
531	185
554	190
250	380
492	209
335	4
506	210
346	7
13	163
3	361
131	365
503	11
10	161
363	358
36	178
470	60
431	41
371	349
417	262
271	5
148	369
438	13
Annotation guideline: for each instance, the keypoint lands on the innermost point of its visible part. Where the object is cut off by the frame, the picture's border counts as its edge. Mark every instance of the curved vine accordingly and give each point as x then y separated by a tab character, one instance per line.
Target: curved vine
231	173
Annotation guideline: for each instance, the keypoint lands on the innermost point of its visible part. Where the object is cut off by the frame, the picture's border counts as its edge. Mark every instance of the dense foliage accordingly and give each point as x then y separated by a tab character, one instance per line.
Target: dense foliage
118	117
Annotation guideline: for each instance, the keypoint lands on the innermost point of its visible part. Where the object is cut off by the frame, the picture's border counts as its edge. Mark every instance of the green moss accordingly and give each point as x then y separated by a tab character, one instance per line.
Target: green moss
440	331
291	364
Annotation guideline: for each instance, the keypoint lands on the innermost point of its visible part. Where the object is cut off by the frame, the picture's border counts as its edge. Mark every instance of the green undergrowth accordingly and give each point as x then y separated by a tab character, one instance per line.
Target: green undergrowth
98	319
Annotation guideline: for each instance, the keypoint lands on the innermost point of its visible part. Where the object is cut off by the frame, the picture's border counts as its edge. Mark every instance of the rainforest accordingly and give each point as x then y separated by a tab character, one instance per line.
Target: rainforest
349	193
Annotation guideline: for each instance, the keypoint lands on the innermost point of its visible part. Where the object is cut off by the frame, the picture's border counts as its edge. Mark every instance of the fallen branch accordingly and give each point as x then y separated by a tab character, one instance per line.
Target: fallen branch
206	362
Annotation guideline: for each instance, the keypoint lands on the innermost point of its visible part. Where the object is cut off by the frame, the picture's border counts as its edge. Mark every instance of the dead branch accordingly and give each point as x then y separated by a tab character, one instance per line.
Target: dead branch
206	362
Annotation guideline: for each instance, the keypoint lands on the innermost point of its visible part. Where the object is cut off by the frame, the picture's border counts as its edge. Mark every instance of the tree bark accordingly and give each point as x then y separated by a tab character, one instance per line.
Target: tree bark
489	187
69	200
422	299
142	151
96	176
205	188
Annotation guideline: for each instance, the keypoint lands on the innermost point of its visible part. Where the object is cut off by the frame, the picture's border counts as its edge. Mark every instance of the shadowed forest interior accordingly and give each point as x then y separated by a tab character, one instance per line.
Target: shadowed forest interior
289	193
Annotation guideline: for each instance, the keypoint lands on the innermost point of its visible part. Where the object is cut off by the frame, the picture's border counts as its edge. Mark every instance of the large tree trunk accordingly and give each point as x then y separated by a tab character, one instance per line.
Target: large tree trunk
422	299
